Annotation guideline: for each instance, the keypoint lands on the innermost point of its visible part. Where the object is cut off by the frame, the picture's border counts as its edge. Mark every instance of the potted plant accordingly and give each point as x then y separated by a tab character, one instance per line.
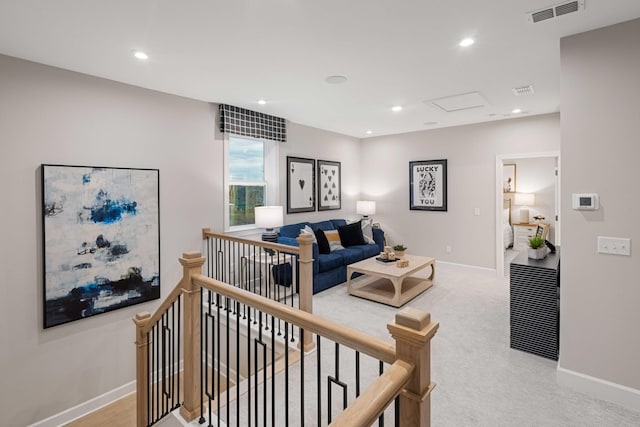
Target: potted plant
399	250
537	249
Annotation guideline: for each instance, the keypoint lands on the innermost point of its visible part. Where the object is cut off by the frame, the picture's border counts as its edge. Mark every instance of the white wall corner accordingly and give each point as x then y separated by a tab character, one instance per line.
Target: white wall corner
599	388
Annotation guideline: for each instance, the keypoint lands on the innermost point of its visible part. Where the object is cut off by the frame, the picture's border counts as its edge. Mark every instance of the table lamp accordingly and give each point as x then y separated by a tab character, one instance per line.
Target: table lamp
524	200
366	208
269	217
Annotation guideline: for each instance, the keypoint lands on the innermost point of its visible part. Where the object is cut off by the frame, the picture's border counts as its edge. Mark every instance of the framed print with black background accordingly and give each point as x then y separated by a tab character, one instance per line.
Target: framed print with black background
329	185
101	240
301	185
428	185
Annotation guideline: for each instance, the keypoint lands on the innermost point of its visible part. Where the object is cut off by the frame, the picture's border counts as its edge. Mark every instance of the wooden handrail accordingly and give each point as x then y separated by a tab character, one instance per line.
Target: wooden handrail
157	315
206	232
359	341
366	409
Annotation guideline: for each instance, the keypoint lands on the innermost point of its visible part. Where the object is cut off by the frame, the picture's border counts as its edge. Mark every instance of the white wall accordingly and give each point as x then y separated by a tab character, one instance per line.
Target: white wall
600	294
48	115
318	144
471	155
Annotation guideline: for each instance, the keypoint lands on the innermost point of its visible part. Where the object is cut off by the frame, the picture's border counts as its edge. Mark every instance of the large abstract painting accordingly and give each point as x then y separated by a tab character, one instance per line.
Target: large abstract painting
101	240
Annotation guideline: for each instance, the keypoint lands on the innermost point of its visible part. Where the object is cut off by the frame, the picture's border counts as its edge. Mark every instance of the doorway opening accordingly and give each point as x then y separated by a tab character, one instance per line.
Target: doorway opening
527	194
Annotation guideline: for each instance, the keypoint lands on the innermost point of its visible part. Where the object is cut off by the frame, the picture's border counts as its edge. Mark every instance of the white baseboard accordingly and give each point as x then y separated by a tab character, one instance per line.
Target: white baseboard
453	264
84	408
602	389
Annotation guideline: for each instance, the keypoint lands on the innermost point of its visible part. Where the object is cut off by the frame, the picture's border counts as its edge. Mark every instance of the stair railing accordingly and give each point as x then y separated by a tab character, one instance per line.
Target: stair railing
199	311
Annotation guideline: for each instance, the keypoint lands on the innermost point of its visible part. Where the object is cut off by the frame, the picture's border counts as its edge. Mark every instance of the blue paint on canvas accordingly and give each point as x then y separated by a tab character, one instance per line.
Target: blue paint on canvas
101	240
109	211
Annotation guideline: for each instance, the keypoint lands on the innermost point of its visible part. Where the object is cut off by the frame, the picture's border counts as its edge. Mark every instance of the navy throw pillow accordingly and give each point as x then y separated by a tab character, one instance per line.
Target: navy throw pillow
351	234
323	243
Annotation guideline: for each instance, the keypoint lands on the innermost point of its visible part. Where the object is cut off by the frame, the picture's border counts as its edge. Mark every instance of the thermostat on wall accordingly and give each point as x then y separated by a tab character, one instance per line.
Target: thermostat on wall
585	201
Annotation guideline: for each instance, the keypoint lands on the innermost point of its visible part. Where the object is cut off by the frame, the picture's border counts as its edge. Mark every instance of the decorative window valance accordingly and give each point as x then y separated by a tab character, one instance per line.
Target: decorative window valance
241	121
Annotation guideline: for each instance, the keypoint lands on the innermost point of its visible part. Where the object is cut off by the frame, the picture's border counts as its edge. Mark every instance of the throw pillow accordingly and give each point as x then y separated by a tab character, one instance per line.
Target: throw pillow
334	240
367	230
351	234
308	230
323	243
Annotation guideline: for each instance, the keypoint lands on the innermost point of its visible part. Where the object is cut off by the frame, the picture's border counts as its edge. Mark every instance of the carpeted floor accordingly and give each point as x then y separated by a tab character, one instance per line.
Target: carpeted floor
480	380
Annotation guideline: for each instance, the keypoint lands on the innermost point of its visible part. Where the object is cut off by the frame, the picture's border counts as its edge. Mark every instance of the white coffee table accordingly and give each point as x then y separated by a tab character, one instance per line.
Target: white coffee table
388	284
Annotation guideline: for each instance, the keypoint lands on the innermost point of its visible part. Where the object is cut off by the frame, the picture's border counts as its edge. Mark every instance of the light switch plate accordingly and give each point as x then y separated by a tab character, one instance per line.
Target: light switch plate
614	246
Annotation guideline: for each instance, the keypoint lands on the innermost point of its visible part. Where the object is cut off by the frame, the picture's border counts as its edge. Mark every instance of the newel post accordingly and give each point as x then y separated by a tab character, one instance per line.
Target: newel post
305	286
142	368
413	330
192	263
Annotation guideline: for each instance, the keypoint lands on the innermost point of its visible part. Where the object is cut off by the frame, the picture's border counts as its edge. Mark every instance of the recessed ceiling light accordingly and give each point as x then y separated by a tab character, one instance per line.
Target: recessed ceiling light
262	101
369	132
140	54
396	108
516	111
336	80
466	42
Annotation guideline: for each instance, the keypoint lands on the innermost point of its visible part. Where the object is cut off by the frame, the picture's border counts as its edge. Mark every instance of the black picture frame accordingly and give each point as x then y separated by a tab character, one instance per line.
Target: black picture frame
428	185
101	240
301	185
329	185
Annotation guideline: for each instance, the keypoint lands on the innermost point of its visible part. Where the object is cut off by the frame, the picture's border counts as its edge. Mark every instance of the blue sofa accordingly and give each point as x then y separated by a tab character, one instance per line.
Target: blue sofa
331	269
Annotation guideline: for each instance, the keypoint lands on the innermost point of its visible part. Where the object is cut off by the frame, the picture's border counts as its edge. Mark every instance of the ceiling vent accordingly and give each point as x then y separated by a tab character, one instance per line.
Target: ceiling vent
555	11
523	90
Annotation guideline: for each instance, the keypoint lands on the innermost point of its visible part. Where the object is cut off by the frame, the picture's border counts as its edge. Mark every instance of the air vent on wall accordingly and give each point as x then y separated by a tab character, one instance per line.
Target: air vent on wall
555	11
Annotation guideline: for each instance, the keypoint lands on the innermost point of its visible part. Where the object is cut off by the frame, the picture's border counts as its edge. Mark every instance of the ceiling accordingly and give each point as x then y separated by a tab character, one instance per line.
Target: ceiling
392	53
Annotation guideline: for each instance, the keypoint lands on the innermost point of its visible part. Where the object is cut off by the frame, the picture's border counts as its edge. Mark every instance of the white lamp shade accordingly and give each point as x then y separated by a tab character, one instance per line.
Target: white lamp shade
366	207
268	216
525	199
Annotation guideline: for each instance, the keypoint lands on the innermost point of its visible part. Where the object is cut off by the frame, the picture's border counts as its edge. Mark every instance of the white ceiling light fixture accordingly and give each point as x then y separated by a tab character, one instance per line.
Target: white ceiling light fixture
396	108
262	102
140	55
336	80
516	111
466	42
369	132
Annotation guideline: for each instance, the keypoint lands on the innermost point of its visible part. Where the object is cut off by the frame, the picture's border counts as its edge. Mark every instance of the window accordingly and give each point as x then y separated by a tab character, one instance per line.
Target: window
250	179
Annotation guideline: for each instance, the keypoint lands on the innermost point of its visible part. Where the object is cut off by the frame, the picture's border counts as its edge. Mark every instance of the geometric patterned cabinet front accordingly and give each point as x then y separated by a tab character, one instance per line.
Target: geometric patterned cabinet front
535	304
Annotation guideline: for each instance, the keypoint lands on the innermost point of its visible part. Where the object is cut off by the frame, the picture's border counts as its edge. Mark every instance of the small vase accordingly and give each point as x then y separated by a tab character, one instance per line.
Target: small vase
400	254
539	253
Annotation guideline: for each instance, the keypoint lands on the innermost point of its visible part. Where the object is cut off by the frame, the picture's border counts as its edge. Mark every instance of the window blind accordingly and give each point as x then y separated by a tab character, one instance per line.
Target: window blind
241	121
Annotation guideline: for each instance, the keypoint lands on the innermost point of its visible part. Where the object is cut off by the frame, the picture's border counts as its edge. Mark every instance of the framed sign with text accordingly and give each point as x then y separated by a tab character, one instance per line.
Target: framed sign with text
428	185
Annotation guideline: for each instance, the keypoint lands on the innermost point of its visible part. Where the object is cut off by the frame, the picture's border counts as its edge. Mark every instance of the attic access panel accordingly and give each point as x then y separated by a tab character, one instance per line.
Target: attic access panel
465	101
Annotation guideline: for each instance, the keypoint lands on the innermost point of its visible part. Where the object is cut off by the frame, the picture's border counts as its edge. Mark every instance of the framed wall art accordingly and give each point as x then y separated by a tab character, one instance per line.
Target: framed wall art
329	187
509	178
301	185
101	240
428	185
